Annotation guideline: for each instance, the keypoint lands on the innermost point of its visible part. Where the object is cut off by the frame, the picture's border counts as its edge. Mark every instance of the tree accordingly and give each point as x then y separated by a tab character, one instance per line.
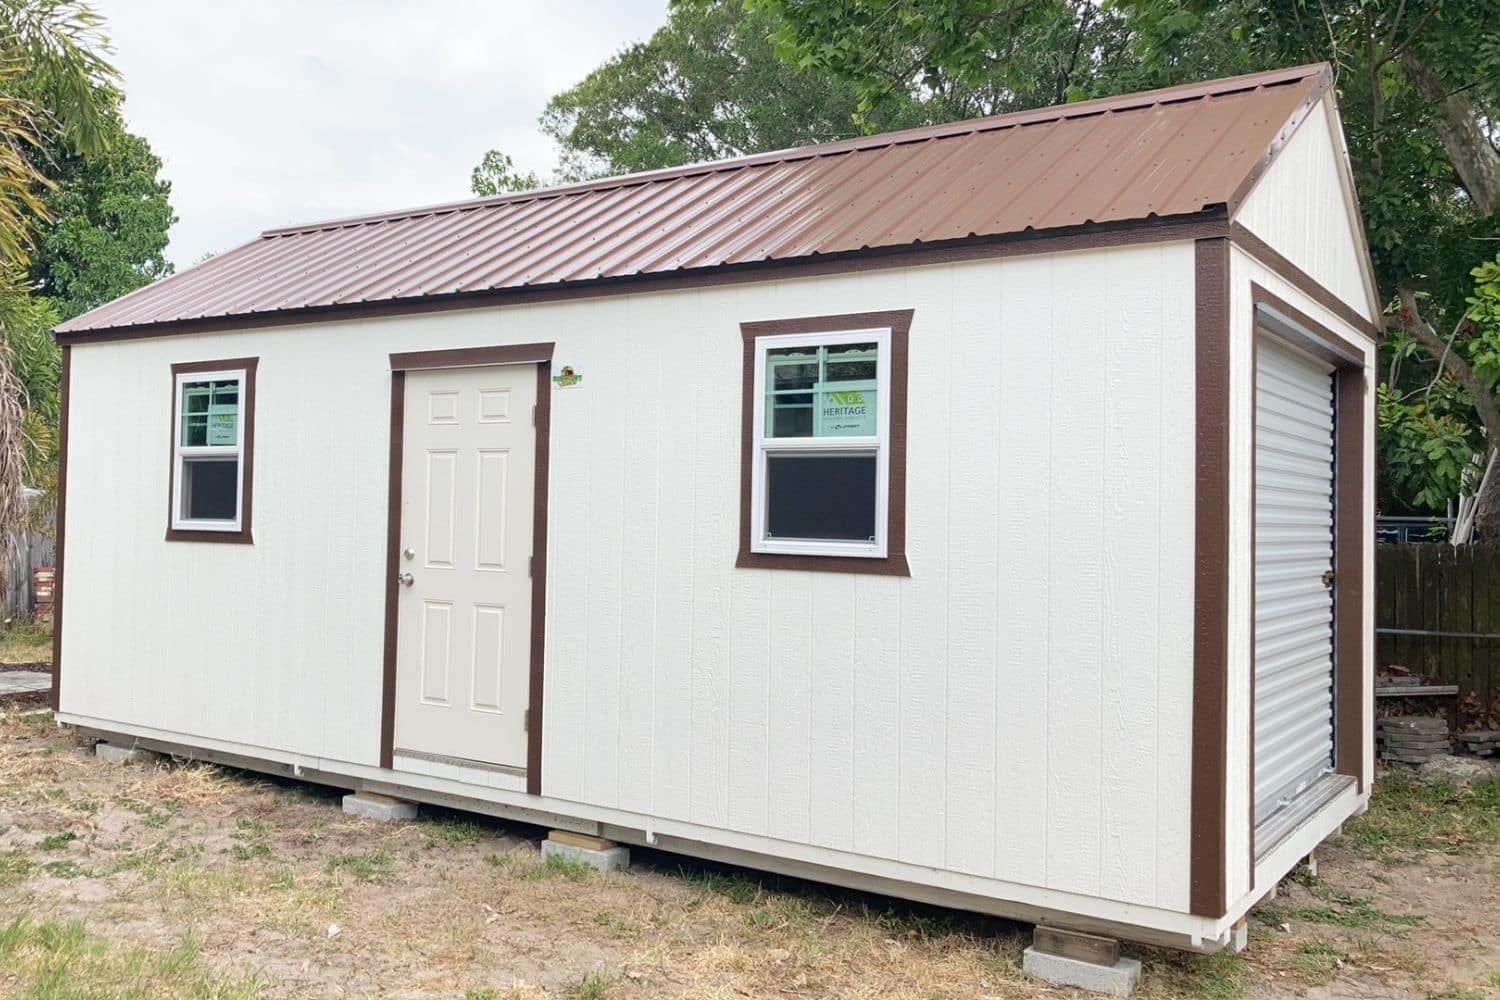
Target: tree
706	86
55	86
110	214
497	174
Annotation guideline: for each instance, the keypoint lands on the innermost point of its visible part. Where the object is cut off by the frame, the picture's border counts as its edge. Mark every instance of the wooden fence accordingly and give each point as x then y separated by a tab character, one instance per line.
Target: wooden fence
28	551
1437	611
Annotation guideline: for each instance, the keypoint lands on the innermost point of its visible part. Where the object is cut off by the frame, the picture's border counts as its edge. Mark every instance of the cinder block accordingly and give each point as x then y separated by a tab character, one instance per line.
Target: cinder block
1239	935
114	754
1117	980
611	859
381	808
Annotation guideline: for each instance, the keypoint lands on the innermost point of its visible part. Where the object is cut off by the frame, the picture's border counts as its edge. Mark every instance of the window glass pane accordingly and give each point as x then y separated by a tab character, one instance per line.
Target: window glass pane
210	489
820	497
841	403
210	413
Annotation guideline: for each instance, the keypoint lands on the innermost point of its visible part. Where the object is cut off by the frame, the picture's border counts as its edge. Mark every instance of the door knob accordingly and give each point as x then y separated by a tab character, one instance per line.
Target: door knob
405	579
1328	578
410	553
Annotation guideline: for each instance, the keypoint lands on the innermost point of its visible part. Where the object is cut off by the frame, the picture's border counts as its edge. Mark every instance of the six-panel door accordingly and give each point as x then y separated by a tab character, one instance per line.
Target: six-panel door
463	626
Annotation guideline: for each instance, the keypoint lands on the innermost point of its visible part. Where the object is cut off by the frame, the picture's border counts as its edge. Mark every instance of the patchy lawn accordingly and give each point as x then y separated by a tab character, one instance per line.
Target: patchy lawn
25	642
192	881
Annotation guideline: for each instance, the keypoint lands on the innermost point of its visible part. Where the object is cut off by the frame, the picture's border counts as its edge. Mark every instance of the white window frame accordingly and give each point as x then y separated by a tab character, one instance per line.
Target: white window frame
181	453
764	447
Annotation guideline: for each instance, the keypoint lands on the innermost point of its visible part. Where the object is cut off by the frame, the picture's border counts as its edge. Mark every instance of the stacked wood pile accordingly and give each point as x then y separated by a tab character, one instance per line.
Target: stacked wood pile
1481	742
1412	739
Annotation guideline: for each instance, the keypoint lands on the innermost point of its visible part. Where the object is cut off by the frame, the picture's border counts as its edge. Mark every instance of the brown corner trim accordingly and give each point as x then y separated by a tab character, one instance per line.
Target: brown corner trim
1304	282
1212	221
473	357
64	379
392	567
1349	722
539	355
244	536
894	563
1207	862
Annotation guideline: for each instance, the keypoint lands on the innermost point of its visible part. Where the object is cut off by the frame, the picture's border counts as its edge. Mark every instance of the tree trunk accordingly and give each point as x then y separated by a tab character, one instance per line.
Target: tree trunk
1475	159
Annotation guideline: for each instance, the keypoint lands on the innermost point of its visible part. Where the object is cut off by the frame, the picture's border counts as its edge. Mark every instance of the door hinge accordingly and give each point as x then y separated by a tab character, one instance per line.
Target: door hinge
533	414
530	563
525	720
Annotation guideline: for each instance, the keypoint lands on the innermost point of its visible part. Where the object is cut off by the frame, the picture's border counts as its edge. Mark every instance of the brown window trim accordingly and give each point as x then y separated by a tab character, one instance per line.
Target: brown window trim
894	562
247	455
539	355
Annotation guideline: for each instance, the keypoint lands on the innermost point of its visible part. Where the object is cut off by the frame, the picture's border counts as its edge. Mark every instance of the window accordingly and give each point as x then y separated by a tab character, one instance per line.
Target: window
824	443
213	435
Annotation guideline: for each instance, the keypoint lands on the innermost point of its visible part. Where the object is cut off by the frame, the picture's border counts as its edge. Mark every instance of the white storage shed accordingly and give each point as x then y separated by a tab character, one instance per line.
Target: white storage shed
979	514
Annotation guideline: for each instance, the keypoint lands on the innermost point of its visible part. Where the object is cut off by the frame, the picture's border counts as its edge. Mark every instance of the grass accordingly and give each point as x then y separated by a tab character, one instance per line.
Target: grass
591	987
374	865
1338	909
60	961
1407	818
558	866
26	641
1220	976
57	841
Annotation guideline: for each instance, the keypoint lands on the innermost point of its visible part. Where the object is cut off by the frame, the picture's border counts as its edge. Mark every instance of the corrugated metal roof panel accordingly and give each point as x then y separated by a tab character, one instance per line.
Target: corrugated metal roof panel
1163	153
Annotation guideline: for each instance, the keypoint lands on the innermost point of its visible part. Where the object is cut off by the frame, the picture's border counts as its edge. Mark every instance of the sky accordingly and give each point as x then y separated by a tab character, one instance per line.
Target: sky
289	111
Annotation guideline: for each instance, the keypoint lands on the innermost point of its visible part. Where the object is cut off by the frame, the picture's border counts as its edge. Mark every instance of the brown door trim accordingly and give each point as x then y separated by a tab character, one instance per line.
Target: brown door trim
1208	820
62	524
1349	416
539	355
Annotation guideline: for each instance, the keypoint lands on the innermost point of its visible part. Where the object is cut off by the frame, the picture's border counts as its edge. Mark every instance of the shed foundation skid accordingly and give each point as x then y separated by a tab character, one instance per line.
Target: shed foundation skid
596	852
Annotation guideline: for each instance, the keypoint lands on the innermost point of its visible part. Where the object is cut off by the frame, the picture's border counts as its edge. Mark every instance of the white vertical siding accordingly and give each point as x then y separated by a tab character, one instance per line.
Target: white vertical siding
1302	209
1017	709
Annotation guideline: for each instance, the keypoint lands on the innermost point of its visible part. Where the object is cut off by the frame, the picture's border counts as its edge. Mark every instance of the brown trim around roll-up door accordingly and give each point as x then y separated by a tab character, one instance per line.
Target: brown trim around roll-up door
61	523
898	321
540	355
1207	861
1301	280
242	536
1350	415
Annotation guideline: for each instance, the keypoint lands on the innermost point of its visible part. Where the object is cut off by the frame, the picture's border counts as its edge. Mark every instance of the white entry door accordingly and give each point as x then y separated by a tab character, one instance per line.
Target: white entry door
463	646
1294	470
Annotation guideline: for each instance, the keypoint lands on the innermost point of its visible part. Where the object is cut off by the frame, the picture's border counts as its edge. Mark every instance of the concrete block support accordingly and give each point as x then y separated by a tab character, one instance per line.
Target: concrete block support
381	808
1085	961
114	754
596	852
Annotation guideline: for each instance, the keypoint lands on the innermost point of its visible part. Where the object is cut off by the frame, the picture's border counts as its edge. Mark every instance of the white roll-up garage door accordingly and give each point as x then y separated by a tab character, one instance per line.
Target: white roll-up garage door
1293	574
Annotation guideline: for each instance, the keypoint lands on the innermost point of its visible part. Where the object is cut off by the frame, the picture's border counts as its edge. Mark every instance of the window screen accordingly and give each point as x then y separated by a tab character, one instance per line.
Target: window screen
821	497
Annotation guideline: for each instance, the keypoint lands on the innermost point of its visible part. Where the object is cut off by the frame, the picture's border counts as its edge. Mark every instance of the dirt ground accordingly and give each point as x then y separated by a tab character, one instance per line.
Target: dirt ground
157	880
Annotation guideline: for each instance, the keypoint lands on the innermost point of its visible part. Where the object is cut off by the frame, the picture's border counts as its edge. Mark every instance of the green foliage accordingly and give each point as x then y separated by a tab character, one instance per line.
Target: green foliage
110	214
1407	818
705	86
497	174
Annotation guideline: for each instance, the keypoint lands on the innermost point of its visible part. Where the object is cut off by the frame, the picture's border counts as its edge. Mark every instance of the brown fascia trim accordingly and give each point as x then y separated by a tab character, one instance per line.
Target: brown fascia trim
1322	82
55	699
1301	280
1350	413
1207	861
1212	221
540	355
247	455
894	563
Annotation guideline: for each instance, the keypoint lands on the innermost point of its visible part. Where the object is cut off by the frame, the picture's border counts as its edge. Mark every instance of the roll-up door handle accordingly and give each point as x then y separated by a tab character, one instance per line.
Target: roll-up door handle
1328	578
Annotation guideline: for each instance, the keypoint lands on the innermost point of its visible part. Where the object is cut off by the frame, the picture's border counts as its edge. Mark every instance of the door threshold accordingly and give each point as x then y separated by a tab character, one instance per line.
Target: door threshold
1271	831
479	765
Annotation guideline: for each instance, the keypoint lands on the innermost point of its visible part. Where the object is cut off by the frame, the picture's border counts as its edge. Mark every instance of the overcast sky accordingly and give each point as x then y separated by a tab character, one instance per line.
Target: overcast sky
288	111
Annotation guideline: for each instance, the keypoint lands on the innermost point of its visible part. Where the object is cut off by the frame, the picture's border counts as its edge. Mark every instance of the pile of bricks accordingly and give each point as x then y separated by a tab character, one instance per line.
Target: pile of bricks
1412	739
1482	742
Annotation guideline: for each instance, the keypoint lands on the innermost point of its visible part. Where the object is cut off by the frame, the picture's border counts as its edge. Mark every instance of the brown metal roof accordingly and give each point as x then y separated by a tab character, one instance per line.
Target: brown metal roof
1135	157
